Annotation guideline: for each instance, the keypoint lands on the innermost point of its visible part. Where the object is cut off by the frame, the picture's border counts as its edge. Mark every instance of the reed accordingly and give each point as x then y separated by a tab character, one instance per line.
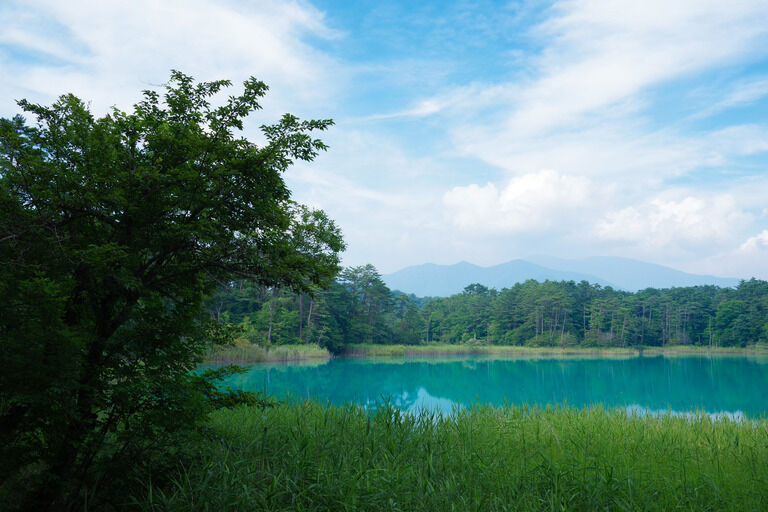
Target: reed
310	456
757	349
372	350
261	354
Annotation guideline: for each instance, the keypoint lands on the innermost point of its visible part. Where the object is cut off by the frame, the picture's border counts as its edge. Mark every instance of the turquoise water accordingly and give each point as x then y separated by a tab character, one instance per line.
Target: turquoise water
732	386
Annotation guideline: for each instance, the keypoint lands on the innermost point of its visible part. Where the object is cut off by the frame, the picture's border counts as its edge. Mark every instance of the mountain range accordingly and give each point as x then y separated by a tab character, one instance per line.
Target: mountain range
431	280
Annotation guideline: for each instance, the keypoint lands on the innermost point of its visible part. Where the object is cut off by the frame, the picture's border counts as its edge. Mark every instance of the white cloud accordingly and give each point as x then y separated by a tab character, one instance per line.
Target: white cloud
689	222
607	51
749	259
108	51
742	93
612	150
527	203
590	87
382	198
755	243
583	105
737	140
466	101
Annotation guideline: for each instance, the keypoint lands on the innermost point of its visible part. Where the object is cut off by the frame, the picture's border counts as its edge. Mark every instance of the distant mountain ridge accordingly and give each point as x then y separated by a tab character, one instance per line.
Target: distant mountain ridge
432	280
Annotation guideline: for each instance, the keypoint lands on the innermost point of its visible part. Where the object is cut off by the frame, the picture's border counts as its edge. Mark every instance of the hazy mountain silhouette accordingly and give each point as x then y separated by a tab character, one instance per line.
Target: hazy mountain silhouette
632	275
434	280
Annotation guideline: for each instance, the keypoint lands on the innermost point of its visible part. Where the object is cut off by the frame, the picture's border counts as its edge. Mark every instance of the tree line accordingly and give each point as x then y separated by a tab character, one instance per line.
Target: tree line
359	308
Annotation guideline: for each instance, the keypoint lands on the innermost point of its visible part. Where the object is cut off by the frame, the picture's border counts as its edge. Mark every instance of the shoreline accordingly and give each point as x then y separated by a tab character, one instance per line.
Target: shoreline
298	353
375	351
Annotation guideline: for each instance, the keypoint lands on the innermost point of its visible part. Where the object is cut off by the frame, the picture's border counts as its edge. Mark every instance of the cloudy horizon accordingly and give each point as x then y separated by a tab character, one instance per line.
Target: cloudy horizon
483	131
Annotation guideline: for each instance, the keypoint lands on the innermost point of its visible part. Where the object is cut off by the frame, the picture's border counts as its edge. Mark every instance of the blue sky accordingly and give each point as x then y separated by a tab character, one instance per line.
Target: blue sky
479	131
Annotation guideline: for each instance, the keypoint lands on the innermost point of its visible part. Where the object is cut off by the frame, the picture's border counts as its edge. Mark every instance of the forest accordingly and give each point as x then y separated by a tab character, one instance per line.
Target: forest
360	308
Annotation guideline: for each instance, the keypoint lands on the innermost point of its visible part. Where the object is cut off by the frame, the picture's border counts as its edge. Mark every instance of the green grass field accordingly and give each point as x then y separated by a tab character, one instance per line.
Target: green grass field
311	457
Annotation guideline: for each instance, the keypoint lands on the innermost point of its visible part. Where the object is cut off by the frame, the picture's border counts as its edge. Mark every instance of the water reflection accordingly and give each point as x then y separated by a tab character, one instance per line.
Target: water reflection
425	401
714	385
638	410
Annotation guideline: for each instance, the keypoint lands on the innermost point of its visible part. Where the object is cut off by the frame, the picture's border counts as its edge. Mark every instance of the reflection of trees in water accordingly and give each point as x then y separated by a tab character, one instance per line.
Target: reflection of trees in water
656	383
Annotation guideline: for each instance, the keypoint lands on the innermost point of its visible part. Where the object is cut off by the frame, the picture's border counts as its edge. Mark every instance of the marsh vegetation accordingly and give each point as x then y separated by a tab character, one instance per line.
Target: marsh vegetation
313	456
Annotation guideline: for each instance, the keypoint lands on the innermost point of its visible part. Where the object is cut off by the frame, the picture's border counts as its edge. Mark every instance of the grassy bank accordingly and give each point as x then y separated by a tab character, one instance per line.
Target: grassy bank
757	349
259	354
281	353
371	350
307	456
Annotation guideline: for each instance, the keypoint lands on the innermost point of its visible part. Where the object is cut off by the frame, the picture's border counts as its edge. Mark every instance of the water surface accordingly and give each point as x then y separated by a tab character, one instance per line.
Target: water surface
734	386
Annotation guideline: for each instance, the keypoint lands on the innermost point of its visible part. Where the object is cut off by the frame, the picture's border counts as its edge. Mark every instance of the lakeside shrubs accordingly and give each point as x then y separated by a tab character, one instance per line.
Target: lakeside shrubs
309	456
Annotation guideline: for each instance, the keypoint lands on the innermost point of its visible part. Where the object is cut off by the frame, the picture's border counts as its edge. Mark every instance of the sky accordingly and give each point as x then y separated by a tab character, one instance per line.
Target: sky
465	131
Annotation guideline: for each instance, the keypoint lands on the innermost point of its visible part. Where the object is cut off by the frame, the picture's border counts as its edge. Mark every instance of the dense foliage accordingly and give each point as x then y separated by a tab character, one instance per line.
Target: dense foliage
113	231
306	456
359	308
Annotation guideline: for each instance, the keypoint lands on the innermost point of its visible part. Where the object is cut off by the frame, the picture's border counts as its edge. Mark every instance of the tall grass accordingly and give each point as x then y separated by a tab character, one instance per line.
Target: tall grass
756	349
430	349
260	354
307	456
372	350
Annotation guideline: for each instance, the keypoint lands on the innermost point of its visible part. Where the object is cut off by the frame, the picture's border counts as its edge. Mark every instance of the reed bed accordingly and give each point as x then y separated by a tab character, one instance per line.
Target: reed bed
757	349
314	457
261	354
373	350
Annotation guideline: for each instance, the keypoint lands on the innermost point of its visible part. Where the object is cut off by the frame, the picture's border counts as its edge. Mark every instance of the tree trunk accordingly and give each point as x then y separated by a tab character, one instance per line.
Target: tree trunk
554	327
599	319
623	326
301	316
271	314
562	329
650	317
611	335
309	317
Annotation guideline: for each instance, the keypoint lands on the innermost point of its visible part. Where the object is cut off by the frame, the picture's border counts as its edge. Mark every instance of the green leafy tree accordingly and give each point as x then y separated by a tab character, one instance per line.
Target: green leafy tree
369	302
113	231
731	323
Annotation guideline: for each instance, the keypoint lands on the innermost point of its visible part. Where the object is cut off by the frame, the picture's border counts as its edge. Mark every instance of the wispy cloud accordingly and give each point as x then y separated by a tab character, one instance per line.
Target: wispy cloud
101	50
742	93
465	131
604	55
588	111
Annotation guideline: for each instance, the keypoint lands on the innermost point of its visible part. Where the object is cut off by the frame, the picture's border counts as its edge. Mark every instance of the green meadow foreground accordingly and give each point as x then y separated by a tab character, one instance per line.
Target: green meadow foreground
308	456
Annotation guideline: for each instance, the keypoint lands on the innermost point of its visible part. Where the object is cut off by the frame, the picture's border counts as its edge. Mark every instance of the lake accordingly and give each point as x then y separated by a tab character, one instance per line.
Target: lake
732	386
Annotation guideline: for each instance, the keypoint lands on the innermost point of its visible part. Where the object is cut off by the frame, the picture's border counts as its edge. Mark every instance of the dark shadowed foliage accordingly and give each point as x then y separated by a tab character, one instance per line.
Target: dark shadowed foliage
113	231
